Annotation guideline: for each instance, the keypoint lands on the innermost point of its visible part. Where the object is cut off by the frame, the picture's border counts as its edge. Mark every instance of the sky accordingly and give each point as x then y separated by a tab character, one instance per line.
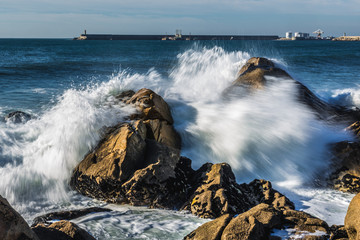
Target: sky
69	18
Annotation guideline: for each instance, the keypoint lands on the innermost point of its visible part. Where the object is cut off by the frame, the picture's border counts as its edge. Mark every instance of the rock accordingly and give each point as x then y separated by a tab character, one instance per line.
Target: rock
217	193
12	225
304	222
151	106
210	230
163	132
346	167
113	162
253	224
352	219
18	117
125	95
254	73
61	230
66	215
161	184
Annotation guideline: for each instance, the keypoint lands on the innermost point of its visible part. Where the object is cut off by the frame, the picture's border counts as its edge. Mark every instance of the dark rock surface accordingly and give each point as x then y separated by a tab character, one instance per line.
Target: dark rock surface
17	117
66	215
12	225
61	230
258	222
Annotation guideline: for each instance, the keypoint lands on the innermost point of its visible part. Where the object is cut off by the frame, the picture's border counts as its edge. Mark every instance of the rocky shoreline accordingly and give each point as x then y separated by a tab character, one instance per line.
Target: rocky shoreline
138	162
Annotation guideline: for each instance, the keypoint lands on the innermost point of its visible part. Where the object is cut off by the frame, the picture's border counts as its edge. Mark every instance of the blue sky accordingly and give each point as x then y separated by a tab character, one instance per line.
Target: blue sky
68	18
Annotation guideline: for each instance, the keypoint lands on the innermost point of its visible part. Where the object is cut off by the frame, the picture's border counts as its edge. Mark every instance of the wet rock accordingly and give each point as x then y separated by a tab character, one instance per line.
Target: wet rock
66	215
115	159
352	219
162	183
338	232
150	106
210	230
255	75
12	225
18	117
303	221
125	95
355	128
217	193
61	230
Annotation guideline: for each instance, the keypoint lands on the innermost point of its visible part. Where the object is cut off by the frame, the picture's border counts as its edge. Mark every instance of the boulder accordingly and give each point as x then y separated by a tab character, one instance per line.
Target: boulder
114	160
12	225
352	218
355	128
61	230
17	117
338	232
163	132
66	215
150	105
217	193
303	221
254	75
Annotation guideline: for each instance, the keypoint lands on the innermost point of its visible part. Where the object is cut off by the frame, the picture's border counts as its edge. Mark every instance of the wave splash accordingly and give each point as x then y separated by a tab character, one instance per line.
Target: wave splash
265	134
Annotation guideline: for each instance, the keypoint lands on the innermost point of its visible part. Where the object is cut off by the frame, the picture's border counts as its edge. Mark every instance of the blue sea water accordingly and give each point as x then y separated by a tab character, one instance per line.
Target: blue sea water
68	87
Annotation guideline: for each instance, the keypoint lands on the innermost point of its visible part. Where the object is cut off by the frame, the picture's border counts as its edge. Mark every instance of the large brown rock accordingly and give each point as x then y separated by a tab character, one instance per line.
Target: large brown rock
303	221
115	159
163	132
352	219
61	230
12	225
217	193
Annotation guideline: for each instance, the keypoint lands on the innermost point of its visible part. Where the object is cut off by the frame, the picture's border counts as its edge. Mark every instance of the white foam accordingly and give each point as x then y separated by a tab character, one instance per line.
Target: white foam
349	97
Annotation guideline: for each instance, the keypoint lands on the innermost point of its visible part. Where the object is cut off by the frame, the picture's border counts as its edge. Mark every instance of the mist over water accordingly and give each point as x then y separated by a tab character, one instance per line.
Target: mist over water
262	134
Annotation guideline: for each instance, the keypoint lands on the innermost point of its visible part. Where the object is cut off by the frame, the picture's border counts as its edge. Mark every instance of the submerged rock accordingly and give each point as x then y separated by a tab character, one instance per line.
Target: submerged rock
66	215
352	219
12	225
61	230
18	117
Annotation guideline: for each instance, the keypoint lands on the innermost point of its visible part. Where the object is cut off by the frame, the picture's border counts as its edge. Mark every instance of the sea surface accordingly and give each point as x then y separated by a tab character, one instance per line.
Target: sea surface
68	87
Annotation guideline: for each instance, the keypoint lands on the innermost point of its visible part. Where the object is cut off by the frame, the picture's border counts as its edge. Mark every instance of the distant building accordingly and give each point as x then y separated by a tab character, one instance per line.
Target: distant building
288	34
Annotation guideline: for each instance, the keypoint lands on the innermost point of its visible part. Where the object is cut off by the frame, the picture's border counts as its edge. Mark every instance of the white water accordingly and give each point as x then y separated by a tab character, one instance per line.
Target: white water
263	134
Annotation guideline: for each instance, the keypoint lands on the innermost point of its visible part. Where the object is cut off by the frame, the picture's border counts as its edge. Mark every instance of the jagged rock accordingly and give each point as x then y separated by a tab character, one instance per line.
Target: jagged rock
210	230
254	76
303	221
61	230
115	159
346	164
352	218
218	193
17	117
253	224
258	222
151	106
125	95
160	184
12	225
66	215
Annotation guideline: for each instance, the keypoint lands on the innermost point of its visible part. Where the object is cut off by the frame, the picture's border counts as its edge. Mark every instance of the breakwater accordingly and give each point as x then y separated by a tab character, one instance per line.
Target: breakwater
183	37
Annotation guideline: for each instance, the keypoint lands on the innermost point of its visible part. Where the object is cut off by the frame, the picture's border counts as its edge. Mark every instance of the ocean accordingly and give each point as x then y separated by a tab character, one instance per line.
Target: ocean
68	88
